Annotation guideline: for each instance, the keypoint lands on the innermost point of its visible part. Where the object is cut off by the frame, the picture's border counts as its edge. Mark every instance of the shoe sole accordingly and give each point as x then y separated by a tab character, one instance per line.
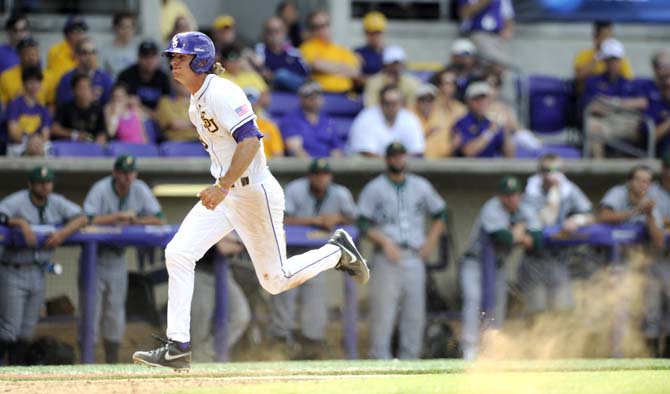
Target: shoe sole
350	247
146	363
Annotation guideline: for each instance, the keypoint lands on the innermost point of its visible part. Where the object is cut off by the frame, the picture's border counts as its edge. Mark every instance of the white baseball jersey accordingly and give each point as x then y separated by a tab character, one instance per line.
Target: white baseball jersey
255	210
217	110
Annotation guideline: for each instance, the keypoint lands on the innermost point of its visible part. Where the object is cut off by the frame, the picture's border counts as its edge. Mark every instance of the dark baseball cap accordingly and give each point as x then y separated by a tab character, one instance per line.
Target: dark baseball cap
41	174
147	48
509	185
31	73
395	148
319	166
125	163
231	52
27	42
75	23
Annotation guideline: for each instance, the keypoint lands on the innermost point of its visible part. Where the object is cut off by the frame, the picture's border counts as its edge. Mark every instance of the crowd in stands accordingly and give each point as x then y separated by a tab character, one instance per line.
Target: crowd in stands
299	78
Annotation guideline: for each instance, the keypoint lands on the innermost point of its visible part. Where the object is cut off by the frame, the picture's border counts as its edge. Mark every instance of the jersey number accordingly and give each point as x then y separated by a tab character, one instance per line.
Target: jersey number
208	123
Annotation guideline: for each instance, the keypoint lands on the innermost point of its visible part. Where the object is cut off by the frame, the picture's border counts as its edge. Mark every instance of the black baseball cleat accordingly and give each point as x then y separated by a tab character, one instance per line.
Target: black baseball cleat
351	262
168	355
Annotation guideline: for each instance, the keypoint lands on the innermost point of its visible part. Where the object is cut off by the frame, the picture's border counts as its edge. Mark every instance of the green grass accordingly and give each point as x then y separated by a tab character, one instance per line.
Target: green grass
371	377
585	382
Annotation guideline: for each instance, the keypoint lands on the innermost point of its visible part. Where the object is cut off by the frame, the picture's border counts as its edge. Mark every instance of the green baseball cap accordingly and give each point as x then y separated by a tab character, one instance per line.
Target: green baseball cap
395	148
125	163
319	165
41	174
509	185
665	159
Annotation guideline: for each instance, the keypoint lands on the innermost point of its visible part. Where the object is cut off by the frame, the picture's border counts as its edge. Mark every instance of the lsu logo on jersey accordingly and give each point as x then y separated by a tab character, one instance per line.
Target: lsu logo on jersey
208	123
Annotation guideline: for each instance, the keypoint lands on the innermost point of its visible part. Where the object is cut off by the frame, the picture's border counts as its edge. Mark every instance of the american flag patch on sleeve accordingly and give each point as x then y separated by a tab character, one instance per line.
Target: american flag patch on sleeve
242	110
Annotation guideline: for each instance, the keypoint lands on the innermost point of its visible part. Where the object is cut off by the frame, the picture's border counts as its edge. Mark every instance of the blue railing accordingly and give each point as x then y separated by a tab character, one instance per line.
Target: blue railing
90	237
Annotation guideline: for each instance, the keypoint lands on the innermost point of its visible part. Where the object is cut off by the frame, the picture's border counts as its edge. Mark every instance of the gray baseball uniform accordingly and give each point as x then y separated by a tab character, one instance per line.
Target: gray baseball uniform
398	290
493	218
300	202
544	277
617	199
22	269
657	291
112	270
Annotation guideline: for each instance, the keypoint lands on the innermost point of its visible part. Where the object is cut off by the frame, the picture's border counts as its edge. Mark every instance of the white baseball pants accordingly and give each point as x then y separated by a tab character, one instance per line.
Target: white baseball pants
256	213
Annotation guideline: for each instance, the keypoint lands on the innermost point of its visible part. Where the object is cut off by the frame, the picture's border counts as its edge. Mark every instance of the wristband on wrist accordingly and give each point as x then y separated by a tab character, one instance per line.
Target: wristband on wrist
220	186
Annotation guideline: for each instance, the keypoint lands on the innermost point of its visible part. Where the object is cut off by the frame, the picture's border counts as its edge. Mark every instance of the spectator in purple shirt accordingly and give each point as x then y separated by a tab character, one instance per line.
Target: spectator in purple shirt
659	111
488	23
612	103
308	131
374	24
281	64
17	29
476	135
27	119
657	92
86	54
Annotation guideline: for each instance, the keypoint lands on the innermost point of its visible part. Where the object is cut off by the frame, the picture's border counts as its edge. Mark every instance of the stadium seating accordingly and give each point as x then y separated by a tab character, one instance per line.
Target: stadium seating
76	149
281	103
548	102
152	130
116	148
182	149
566	152
342	105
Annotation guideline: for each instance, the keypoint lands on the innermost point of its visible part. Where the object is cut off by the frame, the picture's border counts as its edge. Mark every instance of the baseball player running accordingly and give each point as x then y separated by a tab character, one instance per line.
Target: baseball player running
245	197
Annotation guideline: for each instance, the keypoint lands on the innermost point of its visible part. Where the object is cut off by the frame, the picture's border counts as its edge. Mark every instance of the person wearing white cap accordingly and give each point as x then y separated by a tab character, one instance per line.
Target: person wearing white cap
588	62
436	123
480	137
613	104
463	62
394	73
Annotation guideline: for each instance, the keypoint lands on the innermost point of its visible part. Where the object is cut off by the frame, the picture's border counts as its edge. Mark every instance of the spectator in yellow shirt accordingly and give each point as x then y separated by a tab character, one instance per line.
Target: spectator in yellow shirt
231	59
332	65
587	62
446	81
61	57
10	80
172	115
171	10
273	142
436	125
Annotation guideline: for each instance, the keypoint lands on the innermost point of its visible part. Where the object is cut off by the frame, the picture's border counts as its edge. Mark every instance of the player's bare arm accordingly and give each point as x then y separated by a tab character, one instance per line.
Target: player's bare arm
57	238
244	154
26	230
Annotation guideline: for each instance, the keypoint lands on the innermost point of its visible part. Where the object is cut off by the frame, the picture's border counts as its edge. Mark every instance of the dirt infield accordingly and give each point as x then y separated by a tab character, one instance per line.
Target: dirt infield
120	385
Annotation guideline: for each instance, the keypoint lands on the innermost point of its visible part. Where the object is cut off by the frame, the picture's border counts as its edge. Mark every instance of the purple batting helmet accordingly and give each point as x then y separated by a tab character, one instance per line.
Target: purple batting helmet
194	43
